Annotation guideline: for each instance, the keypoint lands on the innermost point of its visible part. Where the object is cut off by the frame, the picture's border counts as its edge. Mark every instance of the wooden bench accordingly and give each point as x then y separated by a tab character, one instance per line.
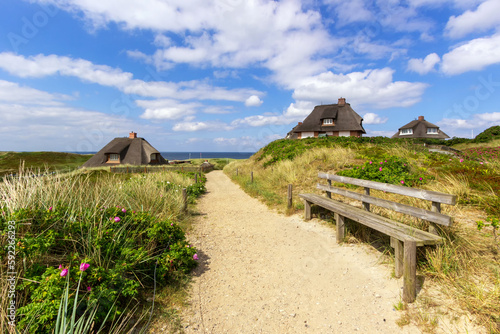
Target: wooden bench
404	238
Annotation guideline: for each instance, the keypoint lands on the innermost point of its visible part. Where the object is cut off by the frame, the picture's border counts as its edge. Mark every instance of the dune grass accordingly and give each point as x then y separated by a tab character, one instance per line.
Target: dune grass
466	268
10	162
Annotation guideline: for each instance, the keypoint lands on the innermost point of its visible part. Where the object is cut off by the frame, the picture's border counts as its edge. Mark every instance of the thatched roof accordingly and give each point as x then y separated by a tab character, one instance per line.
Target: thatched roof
132	151
344	117
419	127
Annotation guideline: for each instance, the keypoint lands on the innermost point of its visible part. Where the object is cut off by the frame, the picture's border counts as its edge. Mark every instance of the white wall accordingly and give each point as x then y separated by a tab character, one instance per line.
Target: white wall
307	134
344	133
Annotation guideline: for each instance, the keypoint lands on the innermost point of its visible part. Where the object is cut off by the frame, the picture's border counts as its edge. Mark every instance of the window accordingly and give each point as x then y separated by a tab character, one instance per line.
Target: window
114	157
328	121
432	131
406	132
154	157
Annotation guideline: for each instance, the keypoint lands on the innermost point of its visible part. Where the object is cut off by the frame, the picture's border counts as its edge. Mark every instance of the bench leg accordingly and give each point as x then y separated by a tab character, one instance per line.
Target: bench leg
398	256
339	220
307	210
410	271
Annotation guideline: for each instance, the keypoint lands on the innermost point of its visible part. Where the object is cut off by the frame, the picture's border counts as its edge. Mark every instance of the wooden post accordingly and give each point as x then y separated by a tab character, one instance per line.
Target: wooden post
184	199
339	221
329	194
195	177
290	187
398	257
110	169
410	271
366	206
251	177
436	207
236	171
307	210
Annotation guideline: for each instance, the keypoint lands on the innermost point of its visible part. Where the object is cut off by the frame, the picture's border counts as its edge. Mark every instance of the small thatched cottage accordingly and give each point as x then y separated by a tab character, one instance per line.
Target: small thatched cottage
338	120
420	128
126	151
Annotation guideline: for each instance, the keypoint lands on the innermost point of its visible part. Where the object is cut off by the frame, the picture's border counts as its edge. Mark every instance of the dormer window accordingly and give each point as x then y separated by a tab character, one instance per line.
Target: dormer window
432	131
328	121
114	158
154	157
406	132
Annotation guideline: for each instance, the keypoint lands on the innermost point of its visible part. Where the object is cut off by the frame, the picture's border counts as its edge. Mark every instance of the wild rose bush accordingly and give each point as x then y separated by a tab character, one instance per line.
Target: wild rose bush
117	247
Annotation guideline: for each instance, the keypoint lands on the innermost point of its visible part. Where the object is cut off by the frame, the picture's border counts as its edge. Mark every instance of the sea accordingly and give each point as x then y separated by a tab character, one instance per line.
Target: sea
197	155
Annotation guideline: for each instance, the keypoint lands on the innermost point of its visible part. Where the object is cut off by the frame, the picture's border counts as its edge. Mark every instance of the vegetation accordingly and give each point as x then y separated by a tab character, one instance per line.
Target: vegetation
10	162
466	267
127	229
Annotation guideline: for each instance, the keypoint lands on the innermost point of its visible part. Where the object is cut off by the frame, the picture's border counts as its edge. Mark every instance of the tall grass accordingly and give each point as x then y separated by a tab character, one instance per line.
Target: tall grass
84	196
466	267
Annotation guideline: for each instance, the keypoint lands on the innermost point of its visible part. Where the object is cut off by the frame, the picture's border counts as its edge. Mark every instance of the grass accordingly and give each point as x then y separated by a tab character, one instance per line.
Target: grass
10	162
466	268
83	195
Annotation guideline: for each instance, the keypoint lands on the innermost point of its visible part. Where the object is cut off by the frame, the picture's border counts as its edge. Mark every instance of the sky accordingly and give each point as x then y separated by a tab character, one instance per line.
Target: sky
234	75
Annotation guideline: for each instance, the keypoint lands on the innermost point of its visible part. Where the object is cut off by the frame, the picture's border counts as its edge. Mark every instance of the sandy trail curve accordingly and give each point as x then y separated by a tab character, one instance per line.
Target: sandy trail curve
262	272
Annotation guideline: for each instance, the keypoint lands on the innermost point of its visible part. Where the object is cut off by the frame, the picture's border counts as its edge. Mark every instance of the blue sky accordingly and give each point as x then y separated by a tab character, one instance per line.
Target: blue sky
233	75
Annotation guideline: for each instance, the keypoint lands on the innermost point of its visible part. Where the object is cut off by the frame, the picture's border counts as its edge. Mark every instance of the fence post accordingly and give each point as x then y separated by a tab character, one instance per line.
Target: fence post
184	200
251	177
290	187
236	171
195	177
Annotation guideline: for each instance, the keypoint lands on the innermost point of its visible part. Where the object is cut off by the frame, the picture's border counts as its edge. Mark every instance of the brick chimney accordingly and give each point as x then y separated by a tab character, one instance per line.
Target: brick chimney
300	123
132	135
421	118
341	102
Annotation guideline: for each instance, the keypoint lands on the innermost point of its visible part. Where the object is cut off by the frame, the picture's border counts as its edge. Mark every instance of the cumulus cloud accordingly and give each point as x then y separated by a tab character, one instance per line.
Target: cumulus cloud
424	66
166	109
253	101
42	66
472	56
477	121
371	118
201	126
482	19
245	143
14	93
375	88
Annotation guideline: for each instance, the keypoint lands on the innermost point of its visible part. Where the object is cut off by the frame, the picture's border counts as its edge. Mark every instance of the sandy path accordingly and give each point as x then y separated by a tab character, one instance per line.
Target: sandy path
262	272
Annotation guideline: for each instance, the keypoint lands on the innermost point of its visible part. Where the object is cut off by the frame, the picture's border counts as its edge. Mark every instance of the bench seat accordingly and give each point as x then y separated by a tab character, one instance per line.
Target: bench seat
387	226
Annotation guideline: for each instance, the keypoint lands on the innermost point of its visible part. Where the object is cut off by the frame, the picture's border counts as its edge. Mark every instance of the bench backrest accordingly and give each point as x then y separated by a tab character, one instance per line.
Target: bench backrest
435	197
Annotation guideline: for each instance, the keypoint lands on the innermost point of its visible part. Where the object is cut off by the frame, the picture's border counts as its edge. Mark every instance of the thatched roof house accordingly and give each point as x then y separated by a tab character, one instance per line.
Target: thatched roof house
126	151
420	128
338	120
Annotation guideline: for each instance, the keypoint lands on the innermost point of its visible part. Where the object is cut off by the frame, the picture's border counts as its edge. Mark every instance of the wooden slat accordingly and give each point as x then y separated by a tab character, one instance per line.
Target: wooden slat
417	193
431	216
398	257
410	271
307	210
389	227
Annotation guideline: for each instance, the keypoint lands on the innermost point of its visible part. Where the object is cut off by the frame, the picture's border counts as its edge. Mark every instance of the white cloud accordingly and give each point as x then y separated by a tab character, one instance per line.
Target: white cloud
380	133
41	66
423	66
166	109
253	101
351	11
477	121
218	109
375	88
201	126
11	92
246	143
472	56
371	118
482	19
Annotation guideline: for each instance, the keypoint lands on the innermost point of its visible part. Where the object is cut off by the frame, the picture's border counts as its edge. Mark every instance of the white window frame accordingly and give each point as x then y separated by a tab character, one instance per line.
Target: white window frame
433	132
114	157
328	121
406	132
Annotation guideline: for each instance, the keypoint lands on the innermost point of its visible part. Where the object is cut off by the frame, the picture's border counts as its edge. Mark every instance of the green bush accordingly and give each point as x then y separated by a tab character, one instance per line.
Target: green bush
392	170
121	246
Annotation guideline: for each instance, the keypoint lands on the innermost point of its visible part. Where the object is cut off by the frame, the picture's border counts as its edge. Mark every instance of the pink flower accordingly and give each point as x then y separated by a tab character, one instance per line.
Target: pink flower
171	224
64	272
195	257
370	162
60	266
123	210
381	162
420	179
50	209
117	219
89	288
380	169
84	266
461	160
402	182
